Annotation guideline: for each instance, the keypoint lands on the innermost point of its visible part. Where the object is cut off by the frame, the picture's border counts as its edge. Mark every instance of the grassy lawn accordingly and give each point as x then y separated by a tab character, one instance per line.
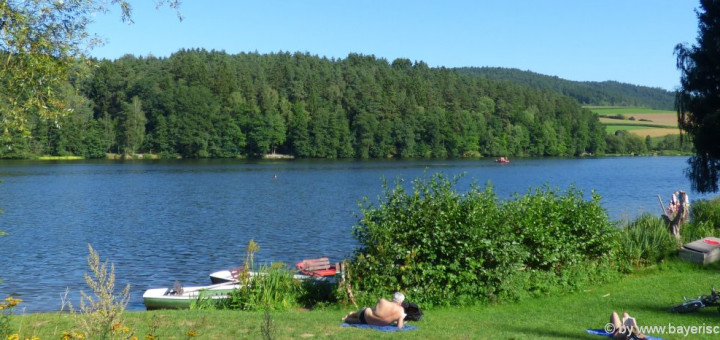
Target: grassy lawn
645	294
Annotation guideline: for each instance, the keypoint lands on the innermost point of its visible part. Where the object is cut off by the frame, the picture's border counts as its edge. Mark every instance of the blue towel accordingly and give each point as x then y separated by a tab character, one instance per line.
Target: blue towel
609	335
386	328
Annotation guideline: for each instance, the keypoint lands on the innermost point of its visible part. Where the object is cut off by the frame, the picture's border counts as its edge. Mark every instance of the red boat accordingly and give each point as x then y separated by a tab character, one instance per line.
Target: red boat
309	268
502	160
316	267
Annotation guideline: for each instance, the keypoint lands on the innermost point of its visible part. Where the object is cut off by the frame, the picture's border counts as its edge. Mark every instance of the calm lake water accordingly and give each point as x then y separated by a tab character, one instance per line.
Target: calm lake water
159	222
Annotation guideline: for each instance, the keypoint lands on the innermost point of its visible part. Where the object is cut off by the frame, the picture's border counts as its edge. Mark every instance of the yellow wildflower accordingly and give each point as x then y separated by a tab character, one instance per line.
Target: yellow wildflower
12	302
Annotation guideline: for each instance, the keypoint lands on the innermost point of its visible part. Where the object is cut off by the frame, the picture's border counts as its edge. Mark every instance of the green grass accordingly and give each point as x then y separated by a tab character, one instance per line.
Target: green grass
646	295
614	110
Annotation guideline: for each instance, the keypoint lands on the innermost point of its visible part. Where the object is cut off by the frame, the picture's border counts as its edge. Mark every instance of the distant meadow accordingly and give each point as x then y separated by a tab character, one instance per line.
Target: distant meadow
641	121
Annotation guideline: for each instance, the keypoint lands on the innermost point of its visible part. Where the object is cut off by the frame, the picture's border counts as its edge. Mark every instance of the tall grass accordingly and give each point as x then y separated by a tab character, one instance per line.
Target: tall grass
645	241
101	312
704	220
273	288
270	288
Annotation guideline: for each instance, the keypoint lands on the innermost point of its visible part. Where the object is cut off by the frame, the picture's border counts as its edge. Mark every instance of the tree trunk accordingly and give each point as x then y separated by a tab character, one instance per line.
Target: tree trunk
677	219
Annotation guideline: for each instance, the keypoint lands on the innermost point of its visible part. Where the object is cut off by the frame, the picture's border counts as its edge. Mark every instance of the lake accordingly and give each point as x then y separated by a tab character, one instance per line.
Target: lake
164	221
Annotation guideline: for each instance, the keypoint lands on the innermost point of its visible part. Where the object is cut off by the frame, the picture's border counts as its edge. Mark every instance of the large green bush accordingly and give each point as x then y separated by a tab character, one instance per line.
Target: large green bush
444	247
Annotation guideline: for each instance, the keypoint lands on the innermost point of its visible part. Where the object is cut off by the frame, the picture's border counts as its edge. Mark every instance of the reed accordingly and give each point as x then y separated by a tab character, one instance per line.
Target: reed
645	241
273	287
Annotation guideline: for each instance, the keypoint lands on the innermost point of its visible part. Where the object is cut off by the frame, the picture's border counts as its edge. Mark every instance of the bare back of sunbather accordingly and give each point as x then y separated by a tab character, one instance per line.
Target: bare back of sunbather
384	313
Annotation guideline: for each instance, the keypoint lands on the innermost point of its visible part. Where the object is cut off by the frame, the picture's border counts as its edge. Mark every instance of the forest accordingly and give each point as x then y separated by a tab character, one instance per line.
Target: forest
606	93
211	104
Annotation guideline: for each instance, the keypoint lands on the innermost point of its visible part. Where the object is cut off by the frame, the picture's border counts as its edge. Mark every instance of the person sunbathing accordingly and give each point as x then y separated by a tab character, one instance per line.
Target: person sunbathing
384	313
626	328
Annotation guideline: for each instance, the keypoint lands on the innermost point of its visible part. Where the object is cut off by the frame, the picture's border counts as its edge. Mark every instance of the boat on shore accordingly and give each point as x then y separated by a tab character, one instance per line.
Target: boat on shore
179	297
317	269
233	275
228	275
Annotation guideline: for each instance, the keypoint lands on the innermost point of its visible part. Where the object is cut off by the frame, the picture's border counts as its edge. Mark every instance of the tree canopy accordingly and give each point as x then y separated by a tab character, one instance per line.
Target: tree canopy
698	100
210	104
41	42
606	93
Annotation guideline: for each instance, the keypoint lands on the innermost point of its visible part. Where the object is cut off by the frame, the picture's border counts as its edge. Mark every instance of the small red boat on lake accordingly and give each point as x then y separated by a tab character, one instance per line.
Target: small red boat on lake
503	160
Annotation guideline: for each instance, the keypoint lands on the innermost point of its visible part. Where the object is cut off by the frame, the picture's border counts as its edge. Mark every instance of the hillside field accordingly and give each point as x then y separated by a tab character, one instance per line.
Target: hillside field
638	120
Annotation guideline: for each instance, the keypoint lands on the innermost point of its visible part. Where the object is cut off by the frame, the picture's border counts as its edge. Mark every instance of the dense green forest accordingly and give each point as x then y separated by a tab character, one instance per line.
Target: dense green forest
210	104
606	93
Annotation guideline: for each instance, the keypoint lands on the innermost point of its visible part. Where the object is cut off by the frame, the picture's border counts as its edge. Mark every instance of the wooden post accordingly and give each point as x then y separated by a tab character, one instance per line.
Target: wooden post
662	205
345	271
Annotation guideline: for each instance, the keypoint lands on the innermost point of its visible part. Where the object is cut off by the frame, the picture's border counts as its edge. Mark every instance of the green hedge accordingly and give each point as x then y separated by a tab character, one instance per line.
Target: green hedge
443	247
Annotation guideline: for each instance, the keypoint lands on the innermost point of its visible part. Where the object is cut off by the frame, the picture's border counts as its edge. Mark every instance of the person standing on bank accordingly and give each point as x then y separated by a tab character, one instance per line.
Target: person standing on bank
384	313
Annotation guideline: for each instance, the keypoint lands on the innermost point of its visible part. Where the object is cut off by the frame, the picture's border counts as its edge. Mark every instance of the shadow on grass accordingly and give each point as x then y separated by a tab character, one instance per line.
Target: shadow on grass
647	307
550	333
664	309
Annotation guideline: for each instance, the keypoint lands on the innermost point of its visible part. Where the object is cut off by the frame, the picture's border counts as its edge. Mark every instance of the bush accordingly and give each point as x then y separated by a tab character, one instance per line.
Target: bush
569	240
706	211
704	220
442	247
317	293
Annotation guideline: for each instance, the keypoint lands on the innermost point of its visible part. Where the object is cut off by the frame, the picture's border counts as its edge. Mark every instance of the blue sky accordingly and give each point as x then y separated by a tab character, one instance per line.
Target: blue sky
630	41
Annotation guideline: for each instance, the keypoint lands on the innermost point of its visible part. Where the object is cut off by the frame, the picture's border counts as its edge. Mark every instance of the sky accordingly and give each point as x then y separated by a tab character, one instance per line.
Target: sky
630	41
